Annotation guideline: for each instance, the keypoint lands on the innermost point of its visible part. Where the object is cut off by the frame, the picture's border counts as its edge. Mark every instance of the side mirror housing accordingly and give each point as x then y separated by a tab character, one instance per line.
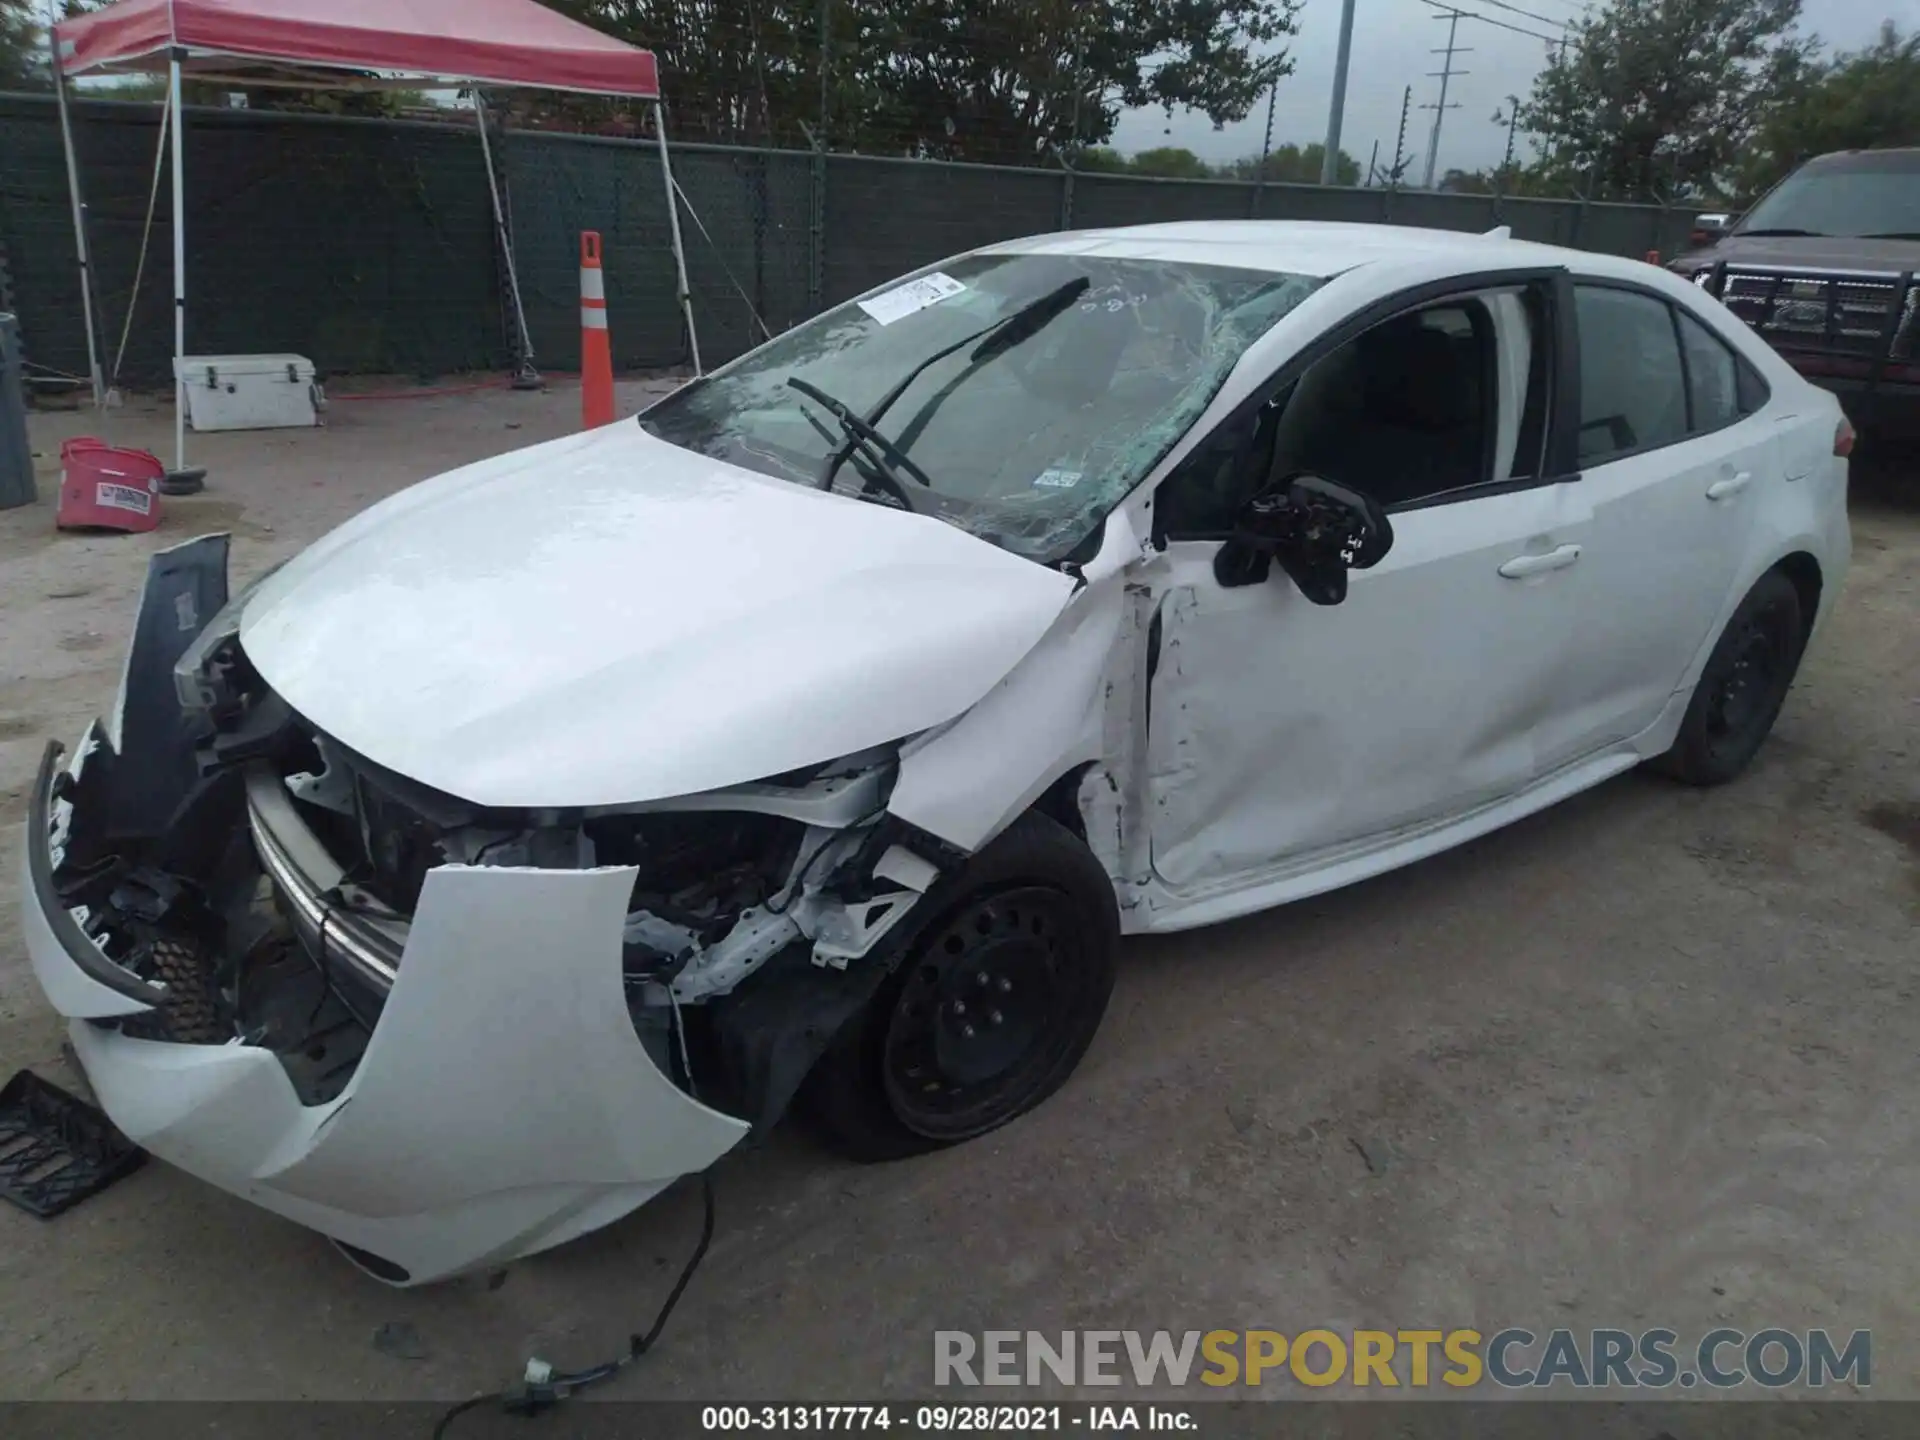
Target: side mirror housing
1314	529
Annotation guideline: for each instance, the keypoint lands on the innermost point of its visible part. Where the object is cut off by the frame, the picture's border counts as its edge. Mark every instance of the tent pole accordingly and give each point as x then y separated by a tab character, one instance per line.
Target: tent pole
673	221
524	371
179	272
79	221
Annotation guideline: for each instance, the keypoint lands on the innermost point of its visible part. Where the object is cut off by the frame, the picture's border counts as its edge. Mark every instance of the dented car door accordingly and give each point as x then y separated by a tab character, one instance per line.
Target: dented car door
1281	731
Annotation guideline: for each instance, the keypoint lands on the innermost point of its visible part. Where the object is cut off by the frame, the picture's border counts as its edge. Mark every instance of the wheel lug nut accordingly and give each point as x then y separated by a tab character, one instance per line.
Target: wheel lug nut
980	978
994	1017
1006	986
959	1007
966	1032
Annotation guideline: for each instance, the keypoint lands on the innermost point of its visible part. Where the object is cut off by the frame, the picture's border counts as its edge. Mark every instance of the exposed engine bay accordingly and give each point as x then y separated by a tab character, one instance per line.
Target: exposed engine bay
264	880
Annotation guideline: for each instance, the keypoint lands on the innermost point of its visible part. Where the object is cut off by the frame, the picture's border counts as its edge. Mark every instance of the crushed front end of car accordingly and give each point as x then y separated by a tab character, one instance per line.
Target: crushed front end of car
441	1034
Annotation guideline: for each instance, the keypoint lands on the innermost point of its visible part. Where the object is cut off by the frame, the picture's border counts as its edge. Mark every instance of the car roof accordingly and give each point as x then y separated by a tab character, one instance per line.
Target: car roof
1319	248
1894	158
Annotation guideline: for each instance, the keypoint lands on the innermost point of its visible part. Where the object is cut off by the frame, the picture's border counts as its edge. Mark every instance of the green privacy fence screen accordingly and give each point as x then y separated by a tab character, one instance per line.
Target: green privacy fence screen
368	245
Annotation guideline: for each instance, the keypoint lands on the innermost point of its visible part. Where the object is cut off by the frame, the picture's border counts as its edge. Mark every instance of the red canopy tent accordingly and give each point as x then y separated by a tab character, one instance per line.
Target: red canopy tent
347	44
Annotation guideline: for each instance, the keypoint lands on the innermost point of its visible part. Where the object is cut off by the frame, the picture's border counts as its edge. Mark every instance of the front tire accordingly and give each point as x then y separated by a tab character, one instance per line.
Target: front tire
1742	687
994	1000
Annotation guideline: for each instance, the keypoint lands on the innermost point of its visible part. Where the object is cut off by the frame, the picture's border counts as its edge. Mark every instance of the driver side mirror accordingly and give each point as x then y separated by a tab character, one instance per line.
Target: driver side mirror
1315	529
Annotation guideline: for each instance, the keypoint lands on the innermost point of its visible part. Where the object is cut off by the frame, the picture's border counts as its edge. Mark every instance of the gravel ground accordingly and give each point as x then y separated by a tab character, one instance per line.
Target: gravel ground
1646	1059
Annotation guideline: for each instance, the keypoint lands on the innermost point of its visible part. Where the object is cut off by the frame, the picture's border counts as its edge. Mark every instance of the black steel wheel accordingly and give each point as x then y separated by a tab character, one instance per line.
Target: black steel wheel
994	1001
978	1019
1742	687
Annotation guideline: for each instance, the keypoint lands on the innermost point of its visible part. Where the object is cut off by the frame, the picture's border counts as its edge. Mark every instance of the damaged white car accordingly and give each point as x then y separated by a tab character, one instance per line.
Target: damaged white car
544	831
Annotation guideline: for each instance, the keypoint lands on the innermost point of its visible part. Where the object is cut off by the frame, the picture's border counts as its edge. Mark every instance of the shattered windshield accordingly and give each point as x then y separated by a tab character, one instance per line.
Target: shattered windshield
1025	433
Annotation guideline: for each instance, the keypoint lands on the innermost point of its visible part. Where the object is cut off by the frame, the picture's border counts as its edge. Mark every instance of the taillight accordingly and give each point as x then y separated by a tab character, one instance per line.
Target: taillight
1843	438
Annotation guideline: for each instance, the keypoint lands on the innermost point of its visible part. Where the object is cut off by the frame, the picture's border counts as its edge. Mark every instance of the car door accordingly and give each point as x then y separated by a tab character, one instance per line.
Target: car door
1673	470
1280	730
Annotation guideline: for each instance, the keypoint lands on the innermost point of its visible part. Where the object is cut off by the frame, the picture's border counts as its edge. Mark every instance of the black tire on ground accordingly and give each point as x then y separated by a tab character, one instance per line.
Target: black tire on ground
993	1001
1741	688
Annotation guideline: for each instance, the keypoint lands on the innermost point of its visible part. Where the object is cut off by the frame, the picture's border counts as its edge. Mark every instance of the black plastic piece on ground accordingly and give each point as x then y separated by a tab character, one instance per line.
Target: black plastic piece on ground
55	1149
184	482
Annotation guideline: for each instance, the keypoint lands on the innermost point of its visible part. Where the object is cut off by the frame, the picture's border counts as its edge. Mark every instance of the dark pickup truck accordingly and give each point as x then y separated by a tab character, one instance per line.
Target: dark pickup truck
1823	267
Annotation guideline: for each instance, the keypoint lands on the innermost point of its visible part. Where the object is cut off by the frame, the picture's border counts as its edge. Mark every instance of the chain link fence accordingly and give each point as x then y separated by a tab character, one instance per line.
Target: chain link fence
368	245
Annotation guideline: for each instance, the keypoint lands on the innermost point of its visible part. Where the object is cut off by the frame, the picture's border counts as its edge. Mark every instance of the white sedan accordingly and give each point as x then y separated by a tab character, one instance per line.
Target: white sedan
541	833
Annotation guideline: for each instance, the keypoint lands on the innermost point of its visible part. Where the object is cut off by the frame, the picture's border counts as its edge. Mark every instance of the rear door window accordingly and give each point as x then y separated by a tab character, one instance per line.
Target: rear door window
1633	393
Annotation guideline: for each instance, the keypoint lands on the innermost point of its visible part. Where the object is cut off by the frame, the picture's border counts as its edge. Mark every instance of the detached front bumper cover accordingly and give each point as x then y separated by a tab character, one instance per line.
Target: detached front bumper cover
503	1104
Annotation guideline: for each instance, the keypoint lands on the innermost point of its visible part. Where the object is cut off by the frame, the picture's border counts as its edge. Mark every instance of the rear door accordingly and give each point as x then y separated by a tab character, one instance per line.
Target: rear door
1673	468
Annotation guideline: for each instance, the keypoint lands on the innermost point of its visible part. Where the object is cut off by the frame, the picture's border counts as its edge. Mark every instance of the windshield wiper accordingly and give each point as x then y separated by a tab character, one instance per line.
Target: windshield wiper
995	339
1891	235
890	459
1807	234
989	340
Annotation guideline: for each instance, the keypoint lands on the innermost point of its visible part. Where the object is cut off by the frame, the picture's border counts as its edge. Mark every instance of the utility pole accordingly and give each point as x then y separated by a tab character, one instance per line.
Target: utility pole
1400	142
1444	74
826	15
1373	163
1330	162
1506	164
1266	146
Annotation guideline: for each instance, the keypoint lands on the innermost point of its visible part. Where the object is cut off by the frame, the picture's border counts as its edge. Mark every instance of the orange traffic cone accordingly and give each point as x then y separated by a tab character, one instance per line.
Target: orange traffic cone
596	354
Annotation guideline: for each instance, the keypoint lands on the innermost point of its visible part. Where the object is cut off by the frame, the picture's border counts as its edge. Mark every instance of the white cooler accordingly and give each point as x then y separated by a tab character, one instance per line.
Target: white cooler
249	392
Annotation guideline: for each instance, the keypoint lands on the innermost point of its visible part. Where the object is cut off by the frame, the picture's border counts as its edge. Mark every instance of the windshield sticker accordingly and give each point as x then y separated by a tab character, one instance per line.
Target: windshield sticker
912	297
1056	479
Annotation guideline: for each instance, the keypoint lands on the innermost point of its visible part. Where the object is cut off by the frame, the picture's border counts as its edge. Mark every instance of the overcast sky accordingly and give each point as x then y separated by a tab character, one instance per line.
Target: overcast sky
1391	41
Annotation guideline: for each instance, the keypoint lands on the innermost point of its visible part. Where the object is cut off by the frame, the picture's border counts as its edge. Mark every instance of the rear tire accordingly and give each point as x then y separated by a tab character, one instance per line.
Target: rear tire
1740	691
993	1001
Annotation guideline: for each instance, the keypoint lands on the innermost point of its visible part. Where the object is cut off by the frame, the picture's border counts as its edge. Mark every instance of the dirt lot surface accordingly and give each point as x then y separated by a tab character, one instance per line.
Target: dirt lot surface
1647	1059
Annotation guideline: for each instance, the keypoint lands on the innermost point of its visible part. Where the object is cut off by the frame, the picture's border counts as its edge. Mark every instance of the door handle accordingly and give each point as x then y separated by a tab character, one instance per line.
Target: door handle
1729	487
1522	566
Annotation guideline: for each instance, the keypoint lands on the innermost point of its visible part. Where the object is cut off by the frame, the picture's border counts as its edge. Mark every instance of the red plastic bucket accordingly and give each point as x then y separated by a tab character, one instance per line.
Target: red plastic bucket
104	487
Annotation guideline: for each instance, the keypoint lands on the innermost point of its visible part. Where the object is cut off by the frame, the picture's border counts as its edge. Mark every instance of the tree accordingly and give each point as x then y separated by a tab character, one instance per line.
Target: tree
1500	180
1296	164
1856	101
23	47
1660	98
1101	160
1170	162
996	80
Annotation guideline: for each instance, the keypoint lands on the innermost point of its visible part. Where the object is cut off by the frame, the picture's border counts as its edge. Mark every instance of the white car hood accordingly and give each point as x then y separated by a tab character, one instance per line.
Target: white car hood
606	619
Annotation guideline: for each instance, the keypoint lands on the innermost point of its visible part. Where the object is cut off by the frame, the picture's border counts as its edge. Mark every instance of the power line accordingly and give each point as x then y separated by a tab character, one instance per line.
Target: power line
1529	14
1446	9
